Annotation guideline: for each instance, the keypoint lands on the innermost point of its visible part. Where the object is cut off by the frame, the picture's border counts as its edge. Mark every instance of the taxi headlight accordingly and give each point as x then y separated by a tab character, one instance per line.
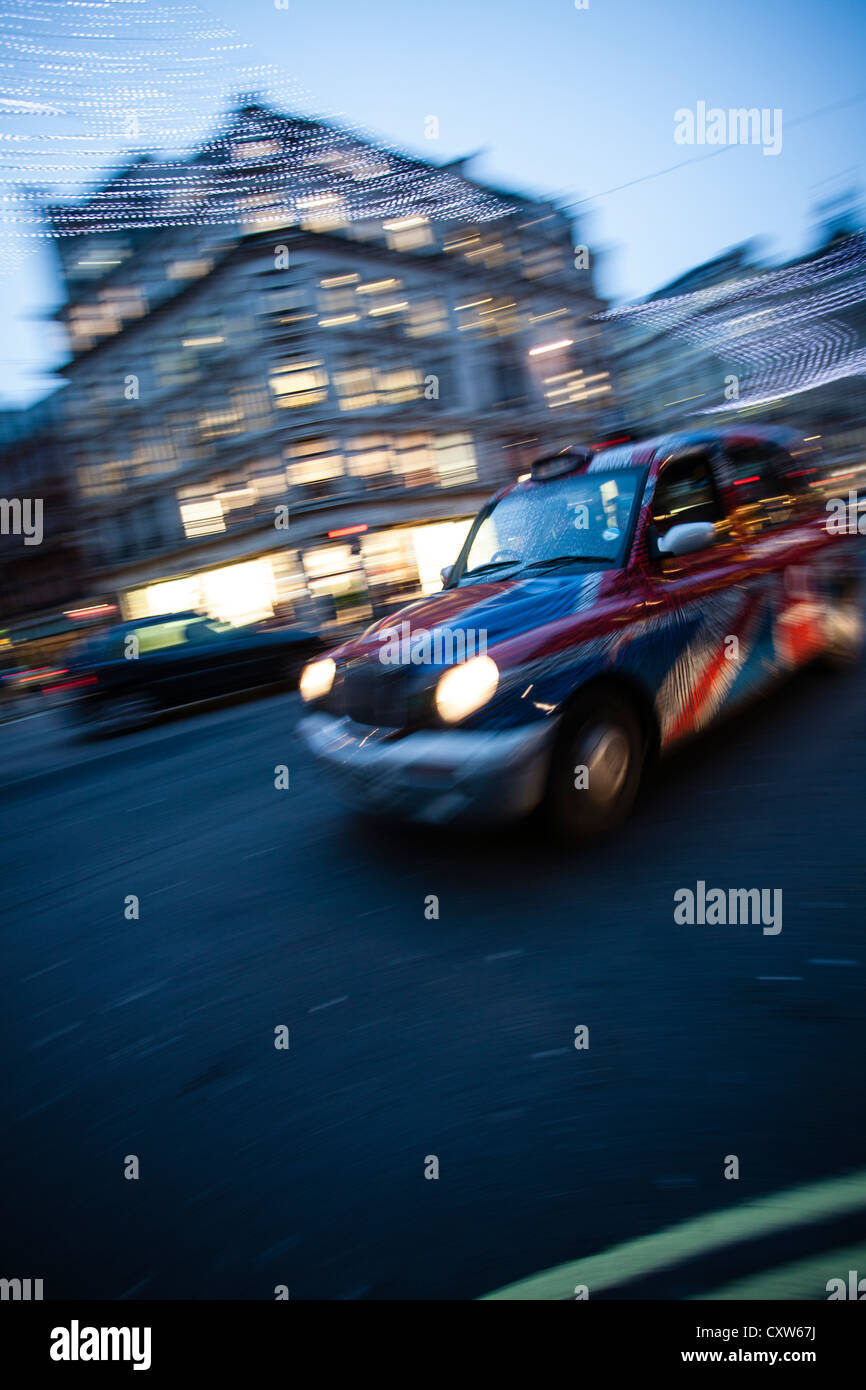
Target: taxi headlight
465	688
317	679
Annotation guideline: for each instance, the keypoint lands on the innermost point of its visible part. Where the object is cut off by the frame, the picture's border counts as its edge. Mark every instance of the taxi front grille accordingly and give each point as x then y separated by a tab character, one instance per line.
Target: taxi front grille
372	693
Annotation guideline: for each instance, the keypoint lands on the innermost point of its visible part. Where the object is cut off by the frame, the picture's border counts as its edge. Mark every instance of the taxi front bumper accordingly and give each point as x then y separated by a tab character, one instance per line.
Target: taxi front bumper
434	776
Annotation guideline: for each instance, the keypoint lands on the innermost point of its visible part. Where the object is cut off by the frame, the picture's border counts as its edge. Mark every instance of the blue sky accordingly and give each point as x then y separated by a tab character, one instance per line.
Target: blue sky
570	103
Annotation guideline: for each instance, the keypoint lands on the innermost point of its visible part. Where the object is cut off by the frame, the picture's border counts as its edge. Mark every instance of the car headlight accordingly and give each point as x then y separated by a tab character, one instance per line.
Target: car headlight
465	688
317	679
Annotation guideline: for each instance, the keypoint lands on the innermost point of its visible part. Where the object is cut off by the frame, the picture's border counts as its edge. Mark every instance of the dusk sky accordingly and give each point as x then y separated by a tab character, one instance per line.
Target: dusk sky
570	103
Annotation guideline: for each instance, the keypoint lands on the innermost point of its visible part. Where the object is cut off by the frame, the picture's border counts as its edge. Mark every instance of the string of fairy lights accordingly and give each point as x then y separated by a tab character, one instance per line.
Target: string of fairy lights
777	326
121	115
126	115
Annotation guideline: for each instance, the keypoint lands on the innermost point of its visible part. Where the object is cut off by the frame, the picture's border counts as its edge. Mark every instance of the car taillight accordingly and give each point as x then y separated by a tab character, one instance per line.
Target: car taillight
76	684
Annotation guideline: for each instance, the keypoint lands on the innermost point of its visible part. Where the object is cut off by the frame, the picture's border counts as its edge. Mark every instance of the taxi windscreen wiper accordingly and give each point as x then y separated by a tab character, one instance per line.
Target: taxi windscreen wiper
565	560
490	565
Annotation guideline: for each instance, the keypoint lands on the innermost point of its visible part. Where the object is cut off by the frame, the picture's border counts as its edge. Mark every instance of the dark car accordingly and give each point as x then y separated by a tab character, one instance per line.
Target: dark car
126	675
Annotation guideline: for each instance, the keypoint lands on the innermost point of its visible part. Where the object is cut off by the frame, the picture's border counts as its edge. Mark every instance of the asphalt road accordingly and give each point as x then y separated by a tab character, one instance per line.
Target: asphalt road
412	1037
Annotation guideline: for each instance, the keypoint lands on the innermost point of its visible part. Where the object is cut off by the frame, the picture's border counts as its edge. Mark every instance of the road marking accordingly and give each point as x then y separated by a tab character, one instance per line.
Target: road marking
797	1206
46	970
22	718
328	1005
801	1279
52	1037
130	998
819	960
134	1288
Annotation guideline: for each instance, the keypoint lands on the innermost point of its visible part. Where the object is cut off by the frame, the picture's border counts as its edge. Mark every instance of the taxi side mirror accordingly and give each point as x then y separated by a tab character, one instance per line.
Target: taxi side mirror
686	538
446	573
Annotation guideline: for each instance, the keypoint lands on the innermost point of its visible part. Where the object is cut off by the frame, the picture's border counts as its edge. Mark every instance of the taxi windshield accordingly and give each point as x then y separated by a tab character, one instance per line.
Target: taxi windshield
582	519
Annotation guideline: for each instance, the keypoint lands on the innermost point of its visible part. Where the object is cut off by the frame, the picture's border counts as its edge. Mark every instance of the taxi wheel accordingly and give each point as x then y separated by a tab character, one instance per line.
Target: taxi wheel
596	768
124	713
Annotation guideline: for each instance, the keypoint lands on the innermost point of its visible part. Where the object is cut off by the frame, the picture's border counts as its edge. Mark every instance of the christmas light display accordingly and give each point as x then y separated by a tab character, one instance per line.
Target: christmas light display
776	327
125	114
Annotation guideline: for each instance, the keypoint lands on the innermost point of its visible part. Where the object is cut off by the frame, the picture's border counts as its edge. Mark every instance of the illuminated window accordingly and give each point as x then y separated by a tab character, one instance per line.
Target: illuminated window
174	368
100	479
415	460
220	424
286	304
489	316
398	384
240	593
426	317
538	264
389	560
153	455
360	387
436	545
237	499
336	294
313	463
491	253
573	388
407	233
335	576
102	254
300	384
382	298
190	269
203	332
202	518
356	388
370	457
321	212
462	242
455	460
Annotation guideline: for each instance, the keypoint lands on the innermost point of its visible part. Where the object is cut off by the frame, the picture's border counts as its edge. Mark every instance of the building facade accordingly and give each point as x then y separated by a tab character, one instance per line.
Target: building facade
294	410
40	560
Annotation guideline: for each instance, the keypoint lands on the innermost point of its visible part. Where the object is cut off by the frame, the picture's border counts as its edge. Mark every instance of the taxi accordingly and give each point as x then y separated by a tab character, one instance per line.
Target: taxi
603	608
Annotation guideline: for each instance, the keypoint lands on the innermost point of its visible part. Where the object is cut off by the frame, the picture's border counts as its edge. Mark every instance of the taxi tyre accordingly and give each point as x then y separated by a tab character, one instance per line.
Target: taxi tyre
124	713
602	734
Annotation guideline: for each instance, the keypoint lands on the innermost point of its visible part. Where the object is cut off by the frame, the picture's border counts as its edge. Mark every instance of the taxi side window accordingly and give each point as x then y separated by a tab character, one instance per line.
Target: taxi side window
157	637
686	492
752	471
756	491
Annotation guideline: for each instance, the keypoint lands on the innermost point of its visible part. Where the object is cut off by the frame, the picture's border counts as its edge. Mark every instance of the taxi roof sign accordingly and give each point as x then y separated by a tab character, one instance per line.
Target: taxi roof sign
558	465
